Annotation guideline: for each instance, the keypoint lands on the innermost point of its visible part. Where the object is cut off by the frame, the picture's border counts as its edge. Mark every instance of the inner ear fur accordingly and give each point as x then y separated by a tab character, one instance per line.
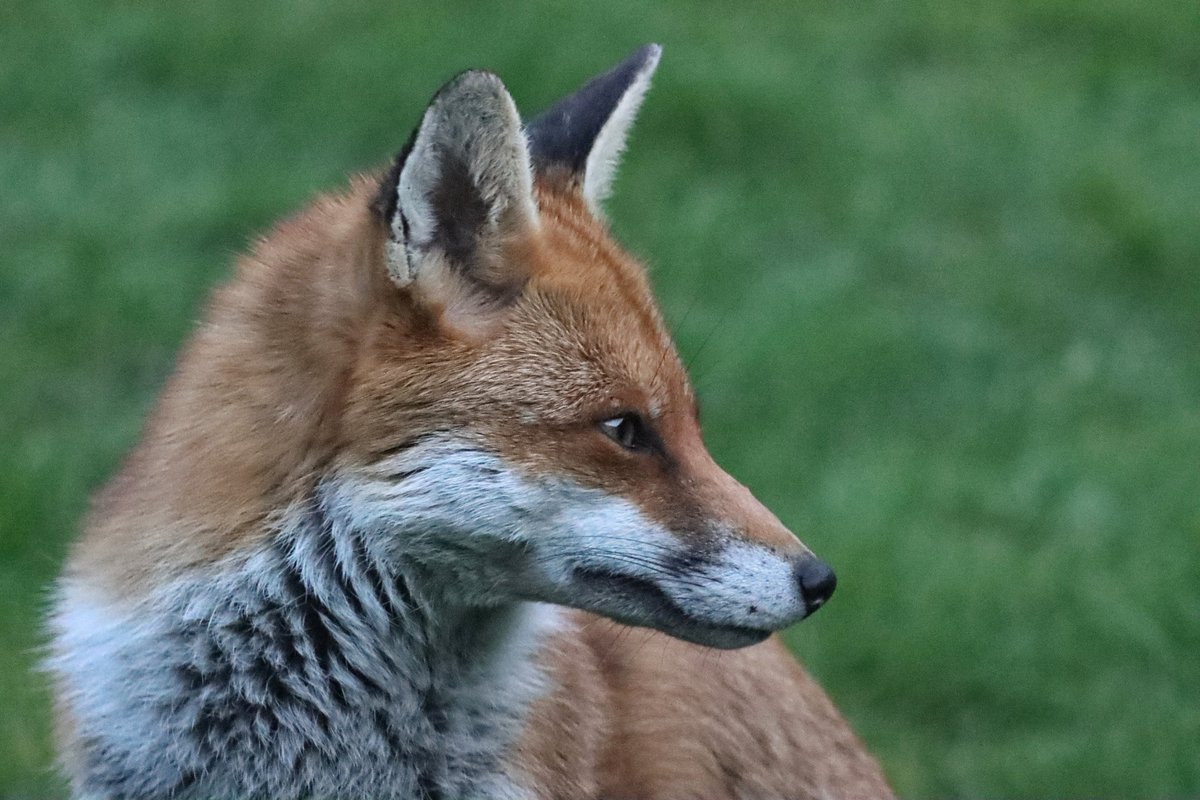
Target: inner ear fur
458	201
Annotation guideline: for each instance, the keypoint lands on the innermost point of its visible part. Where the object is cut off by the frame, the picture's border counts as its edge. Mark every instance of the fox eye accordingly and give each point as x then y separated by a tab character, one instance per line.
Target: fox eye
627	430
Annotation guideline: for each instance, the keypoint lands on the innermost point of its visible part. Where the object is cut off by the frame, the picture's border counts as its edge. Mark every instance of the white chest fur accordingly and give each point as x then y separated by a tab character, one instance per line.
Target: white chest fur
304	670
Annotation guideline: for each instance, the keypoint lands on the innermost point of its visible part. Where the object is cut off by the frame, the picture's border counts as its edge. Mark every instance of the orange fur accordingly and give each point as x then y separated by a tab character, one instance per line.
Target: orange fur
637	714
311	356
253	408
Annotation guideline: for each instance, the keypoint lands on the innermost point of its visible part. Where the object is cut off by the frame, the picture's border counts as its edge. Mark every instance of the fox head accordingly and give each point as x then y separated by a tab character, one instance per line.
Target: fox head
459	365
523	426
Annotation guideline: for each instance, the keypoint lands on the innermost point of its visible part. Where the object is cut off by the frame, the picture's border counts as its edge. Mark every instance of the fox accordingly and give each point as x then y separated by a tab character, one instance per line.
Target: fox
424	511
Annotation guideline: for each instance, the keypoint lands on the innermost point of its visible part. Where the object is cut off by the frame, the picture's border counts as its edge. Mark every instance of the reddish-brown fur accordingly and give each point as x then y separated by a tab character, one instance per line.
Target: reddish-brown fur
311	356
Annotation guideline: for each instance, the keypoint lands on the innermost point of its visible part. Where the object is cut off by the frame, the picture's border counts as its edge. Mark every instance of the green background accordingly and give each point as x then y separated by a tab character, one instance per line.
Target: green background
935	267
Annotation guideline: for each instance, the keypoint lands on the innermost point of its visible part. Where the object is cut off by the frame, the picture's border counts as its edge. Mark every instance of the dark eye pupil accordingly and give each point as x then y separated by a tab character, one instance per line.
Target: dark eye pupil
627	432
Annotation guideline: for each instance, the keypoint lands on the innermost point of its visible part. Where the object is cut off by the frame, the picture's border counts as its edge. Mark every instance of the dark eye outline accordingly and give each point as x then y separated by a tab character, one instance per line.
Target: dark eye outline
630	431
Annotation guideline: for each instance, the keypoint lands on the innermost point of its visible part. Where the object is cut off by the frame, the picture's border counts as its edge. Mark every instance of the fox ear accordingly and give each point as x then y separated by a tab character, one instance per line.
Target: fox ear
583	135
459	191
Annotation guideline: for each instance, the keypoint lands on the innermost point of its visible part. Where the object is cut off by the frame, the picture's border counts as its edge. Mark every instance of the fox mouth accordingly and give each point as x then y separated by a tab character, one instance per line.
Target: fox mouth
639	601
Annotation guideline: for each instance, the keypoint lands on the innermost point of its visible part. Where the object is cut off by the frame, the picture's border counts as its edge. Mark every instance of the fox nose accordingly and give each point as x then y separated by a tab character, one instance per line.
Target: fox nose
817	582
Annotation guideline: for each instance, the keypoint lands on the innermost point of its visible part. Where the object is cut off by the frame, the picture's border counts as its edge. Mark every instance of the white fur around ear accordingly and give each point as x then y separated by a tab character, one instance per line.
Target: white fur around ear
465	180
601	166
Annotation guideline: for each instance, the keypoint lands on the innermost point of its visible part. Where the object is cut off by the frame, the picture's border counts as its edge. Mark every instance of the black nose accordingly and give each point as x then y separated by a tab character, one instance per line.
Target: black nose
817	582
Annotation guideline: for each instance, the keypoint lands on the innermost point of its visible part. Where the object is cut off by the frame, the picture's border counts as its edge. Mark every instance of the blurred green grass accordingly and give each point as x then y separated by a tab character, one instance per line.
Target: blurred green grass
936	268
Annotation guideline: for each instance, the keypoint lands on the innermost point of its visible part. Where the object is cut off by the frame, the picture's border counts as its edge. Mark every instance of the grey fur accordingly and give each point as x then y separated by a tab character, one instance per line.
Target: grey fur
470	147
309	669
379	642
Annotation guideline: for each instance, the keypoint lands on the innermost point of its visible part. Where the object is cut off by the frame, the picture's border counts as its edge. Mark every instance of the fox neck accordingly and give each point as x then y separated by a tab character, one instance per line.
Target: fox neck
392	613
311	668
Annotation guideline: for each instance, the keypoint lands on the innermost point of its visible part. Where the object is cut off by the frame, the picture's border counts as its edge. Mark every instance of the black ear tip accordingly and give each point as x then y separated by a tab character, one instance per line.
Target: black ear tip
564	134
643	59
647	53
